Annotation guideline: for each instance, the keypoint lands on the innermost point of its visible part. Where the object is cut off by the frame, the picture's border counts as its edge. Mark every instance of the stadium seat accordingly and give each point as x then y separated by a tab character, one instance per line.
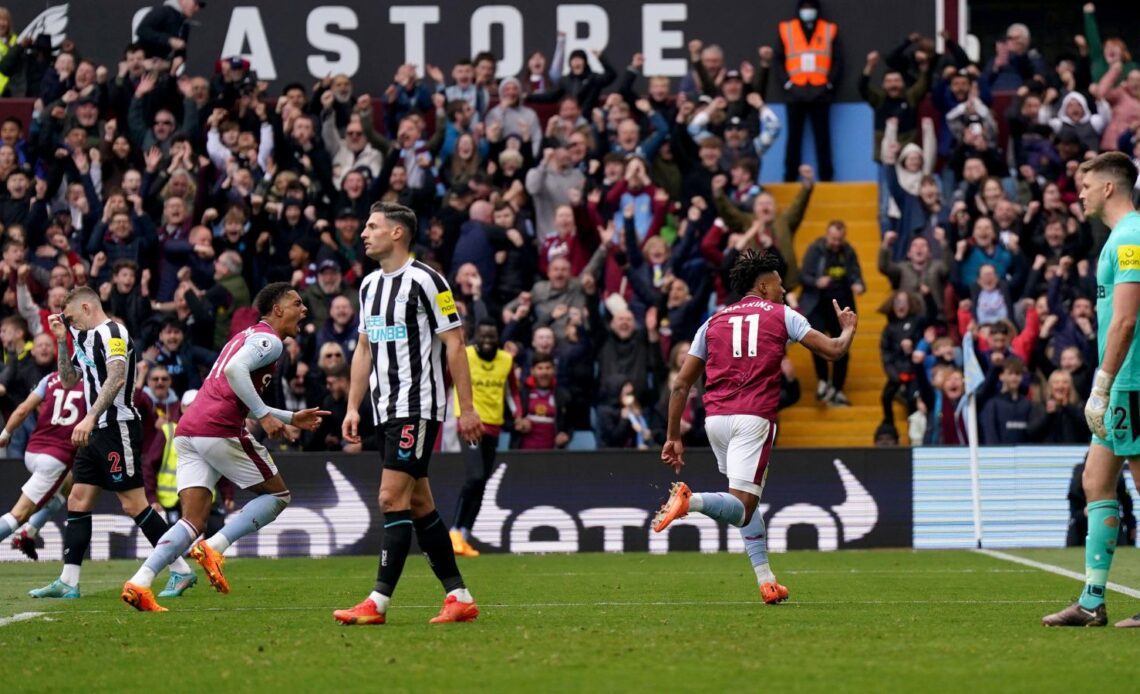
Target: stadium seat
582	441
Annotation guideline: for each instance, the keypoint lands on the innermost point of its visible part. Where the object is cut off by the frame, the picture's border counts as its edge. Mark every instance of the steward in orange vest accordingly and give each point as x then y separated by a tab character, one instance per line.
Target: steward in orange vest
810	54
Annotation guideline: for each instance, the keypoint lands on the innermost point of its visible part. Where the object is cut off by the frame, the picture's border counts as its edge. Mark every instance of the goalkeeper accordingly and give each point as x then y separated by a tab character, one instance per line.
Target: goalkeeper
1113	408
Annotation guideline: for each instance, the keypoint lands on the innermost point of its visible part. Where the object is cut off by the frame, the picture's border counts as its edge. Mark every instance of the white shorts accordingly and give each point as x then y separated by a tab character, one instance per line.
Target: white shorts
743	446
202	460
47	477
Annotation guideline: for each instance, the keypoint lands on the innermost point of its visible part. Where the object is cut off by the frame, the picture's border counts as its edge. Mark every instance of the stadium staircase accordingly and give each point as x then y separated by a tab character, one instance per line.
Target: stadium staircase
810	423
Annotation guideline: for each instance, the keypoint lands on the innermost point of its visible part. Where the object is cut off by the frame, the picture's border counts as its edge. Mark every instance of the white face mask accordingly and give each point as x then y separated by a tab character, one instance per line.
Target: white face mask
808	14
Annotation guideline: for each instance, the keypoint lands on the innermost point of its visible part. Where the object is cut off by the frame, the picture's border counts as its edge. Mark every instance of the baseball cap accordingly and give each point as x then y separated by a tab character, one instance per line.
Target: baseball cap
237	63
328	265
733	75
734	123
345	212
87	99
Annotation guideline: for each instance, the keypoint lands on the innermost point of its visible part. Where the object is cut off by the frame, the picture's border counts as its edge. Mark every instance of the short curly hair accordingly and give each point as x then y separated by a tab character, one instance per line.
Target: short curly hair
750	266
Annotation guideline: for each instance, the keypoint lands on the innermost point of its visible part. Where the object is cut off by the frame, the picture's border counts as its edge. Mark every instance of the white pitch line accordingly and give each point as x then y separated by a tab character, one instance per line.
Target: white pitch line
20	617
559	574
1130	592
546	605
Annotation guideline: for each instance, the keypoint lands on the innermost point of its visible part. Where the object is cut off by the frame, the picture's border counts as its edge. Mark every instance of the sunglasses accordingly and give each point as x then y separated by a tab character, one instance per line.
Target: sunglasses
160	379
164	122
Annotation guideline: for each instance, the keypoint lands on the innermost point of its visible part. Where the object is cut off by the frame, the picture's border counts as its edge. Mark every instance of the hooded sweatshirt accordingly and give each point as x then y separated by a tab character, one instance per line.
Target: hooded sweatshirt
1087	128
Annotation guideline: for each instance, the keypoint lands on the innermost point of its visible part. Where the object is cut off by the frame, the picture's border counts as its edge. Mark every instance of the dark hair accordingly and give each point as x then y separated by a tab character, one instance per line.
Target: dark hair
999	328
398	215
124	264
1116	166
484	55
173	322
12	119
293	85
338	371
1013	364
132	48
541	358
269	295
487	322
749	266
464	62
748	165
18	323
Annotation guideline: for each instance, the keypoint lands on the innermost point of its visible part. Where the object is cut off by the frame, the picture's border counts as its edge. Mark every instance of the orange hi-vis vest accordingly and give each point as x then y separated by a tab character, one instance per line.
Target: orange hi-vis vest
807	62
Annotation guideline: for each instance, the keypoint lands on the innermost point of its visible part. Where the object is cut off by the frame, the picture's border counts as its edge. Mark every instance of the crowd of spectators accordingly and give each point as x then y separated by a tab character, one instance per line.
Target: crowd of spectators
597	235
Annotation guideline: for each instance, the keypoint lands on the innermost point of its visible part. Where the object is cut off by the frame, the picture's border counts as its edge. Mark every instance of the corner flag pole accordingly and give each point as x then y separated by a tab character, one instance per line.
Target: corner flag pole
975	475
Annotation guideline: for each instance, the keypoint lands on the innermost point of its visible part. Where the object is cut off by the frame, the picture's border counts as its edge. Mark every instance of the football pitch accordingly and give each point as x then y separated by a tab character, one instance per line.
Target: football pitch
856	621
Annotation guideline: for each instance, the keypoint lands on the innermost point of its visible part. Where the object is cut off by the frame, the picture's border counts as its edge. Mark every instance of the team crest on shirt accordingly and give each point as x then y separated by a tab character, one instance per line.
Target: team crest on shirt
402	298
378	331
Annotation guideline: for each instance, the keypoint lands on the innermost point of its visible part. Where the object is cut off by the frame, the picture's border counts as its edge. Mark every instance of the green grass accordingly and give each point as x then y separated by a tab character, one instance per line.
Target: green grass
857	621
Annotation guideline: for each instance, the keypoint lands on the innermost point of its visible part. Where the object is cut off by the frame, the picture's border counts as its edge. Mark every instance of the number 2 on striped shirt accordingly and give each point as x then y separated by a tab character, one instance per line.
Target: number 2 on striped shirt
737	330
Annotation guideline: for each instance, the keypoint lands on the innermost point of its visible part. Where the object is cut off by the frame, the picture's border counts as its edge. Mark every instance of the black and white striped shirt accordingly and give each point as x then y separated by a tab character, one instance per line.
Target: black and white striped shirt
94	349
401	314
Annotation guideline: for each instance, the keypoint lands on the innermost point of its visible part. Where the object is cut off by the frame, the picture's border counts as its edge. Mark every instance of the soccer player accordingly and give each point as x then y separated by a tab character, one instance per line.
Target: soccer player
211	441
740	350
48	457
1113	407
408	321
109	437
492	382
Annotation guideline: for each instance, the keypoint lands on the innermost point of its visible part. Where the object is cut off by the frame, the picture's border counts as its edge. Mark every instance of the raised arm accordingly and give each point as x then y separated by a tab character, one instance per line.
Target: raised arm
832	348
68	376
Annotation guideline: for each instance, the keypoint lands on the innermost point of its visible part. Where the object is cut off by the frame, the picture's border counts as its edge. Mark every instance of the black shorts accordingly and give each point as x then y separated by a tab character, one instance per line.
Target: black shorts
112	458
406	443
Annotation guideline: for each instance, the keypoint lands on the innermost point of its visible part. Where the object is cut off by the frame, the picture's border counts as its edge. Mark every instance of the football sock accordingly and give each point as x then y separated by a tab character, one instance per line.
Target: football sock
1100	545
720	506
756	545
436	545
40	518
397	541
381	601
8	525
171	546
154	527
257	514
461	594
76	540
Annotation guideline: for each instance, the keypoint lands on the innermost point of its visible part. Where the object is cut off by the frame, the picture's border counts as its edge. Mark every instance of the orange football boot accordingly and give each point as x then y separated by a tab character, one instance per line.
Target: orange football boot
142	599
455	611
364	613
211	562
773	593
461	546
677	506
